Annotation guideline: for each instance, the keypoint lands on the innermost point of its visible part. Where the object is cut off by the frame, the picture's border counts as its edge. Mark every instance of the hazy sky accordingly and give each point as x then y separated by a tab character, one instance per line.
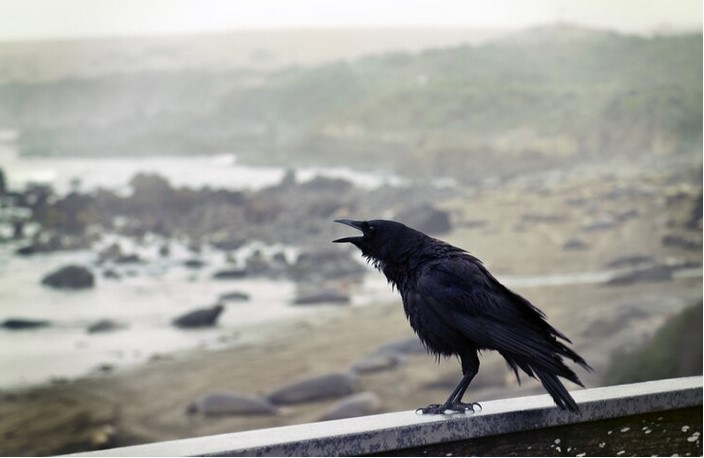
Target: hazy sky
34	19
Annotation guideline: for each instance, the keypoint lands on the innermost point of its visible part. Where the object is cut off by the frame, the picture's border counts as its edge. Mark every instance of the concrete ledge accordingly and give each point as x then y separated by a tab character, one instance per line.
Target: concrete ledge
400	430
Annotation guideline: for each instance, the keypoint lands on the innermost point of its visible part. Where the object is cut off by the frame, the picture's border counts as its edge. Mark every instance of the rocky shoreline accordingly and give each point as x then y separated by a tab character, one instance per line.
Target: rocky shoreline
363	354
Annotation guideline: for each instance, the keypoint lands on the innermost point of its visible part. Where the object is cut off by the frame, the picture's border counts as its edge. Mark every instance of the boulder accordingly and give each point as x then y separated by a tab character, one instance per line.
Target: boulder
425	218
226	403
575	244
601	224
377	362
70	277
625	215
678	241
194	263
111	274
324	264
260	264
356	405
234	296
321	296
199	318
113	253
24	323
104	326
405	346
314	389
229	274
694	222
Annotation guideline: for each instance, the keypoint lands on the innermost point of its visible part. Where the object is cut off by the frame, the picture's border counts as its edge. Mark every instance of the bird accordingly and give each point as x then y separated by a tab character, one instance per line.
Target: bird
458	308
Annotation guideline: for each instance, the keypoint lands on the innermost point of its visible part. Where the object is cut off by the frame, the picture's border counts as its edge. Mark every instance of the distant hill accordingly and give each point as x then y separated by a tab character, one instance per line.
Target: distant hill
542	96
32	61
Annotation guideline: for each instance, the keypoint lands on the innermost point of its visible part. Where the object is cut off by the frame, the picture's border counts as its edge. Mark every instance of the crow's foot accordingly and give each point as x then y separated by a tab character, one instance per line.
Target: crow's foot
449	408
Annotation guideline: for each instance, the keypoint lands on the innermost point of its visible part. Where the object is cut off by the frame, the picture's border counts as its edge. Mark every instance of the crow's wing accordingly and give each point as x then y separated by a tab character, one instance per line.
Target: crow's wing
468	299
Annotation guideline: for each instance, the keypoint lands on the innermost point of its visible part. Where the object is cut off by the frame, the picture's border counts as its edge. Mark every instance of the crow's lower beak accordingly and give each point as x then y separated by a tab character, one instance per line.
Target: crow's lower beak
354	224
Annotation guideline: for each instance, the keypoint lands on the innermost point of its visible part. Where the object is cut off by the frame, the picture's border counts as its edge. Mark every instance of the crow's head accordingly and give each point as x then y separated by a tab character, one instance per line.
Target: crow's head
381	240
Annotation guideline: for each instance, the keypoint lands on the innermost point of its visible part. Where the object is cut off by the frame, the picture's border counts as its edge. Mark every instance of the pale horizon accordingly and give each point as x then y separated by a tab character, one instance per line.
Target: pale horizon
38	20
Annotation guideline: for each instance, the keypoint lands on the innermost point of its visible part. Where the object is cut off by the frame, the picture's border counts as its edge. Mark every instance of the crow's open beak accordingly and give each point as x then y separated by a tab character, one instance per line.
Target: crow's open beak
354	224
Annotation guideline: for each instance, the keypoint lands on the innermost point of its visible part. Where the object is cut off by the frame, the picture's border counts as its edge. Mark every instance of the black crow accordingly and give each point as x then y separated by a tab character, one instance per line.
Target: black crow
456	307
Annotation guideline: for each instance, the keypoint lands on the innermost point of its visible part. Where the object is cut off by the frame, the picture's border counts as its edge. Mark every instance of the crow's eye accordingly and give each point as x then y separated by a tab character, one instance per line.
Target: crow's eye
370	228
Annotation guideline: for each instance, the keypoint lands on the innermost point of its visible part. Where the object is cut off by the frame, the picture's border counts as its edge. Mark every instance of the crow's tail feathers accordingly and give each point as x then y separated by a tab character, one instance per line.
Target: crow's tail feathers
557	390
547	368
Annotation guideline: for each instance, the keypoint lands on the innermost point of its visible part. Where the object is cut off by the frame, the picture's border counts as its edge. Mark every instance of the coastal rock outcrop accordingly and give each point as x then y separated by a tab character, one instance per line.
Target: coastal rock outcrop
199	318
70	277
314	389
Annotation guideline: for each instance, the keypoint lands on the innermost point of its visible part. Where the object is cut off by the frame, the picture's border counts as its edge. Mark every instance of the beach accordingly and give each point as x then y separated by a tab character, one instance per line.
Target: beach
520	232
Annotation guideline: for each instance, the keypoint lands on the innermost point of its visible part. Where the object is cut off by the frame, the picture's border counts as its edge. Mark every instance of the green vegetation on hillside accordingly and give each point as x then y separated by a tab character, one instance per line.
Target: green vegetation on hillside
674	351
539	97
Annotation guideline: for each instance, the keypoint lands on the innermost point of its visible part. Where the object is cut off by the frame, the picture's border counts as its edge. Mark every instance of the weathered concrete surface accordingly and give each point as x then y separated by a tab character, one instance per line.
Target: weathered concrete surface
403	430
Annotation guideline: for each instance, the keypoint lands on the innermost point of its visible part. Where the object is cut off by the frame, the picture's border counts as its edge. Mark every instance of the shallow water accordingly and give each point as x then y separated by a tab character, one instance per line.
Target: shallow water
216	171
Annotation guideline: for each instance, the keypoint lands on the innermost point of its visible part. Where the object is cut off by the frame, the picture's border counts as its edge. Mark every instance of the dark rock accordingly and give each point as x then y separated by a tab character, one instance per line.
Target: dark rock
647	274
325	264
321	296
226	403
599	225
51	243
114	253
377	362
129	259
23	323
199	318
105	368
109	253
229	274
694	222
626	214
321	184
405	346
356	405
314	389
70	277
104	326
678	241
194	263
227	242
234	296
425	218
259	264
575	244
28	250
111	274
165	251
630	260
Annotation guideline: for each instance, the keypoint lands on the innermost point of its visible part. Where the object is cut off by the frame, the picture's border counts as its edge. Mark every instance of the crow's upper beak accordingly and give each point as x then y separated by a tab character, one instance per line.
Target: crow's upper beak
354	224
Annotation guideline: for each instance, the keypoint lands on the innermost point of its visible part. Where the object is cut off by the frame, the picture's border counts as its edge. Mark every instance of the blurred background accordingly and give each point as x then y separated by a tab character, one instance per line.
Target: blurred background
170	170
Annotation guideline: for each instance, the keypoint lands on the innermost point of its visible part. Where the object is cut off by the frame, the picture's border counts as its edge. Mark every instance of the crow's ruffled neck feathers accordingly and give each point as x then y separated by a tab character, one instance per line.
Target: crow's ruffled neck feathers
399	261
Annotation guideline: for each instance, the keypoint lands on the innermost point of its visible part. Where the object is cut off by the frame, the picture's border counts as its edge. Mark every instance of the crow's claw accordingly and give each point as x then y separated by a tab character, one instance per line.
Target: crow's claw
449	409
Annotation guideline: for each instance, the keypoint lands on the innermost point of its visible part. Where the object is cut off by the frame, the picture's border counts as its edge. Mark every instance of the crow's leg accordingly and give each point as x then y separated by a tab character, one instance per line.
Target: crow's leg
470	367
